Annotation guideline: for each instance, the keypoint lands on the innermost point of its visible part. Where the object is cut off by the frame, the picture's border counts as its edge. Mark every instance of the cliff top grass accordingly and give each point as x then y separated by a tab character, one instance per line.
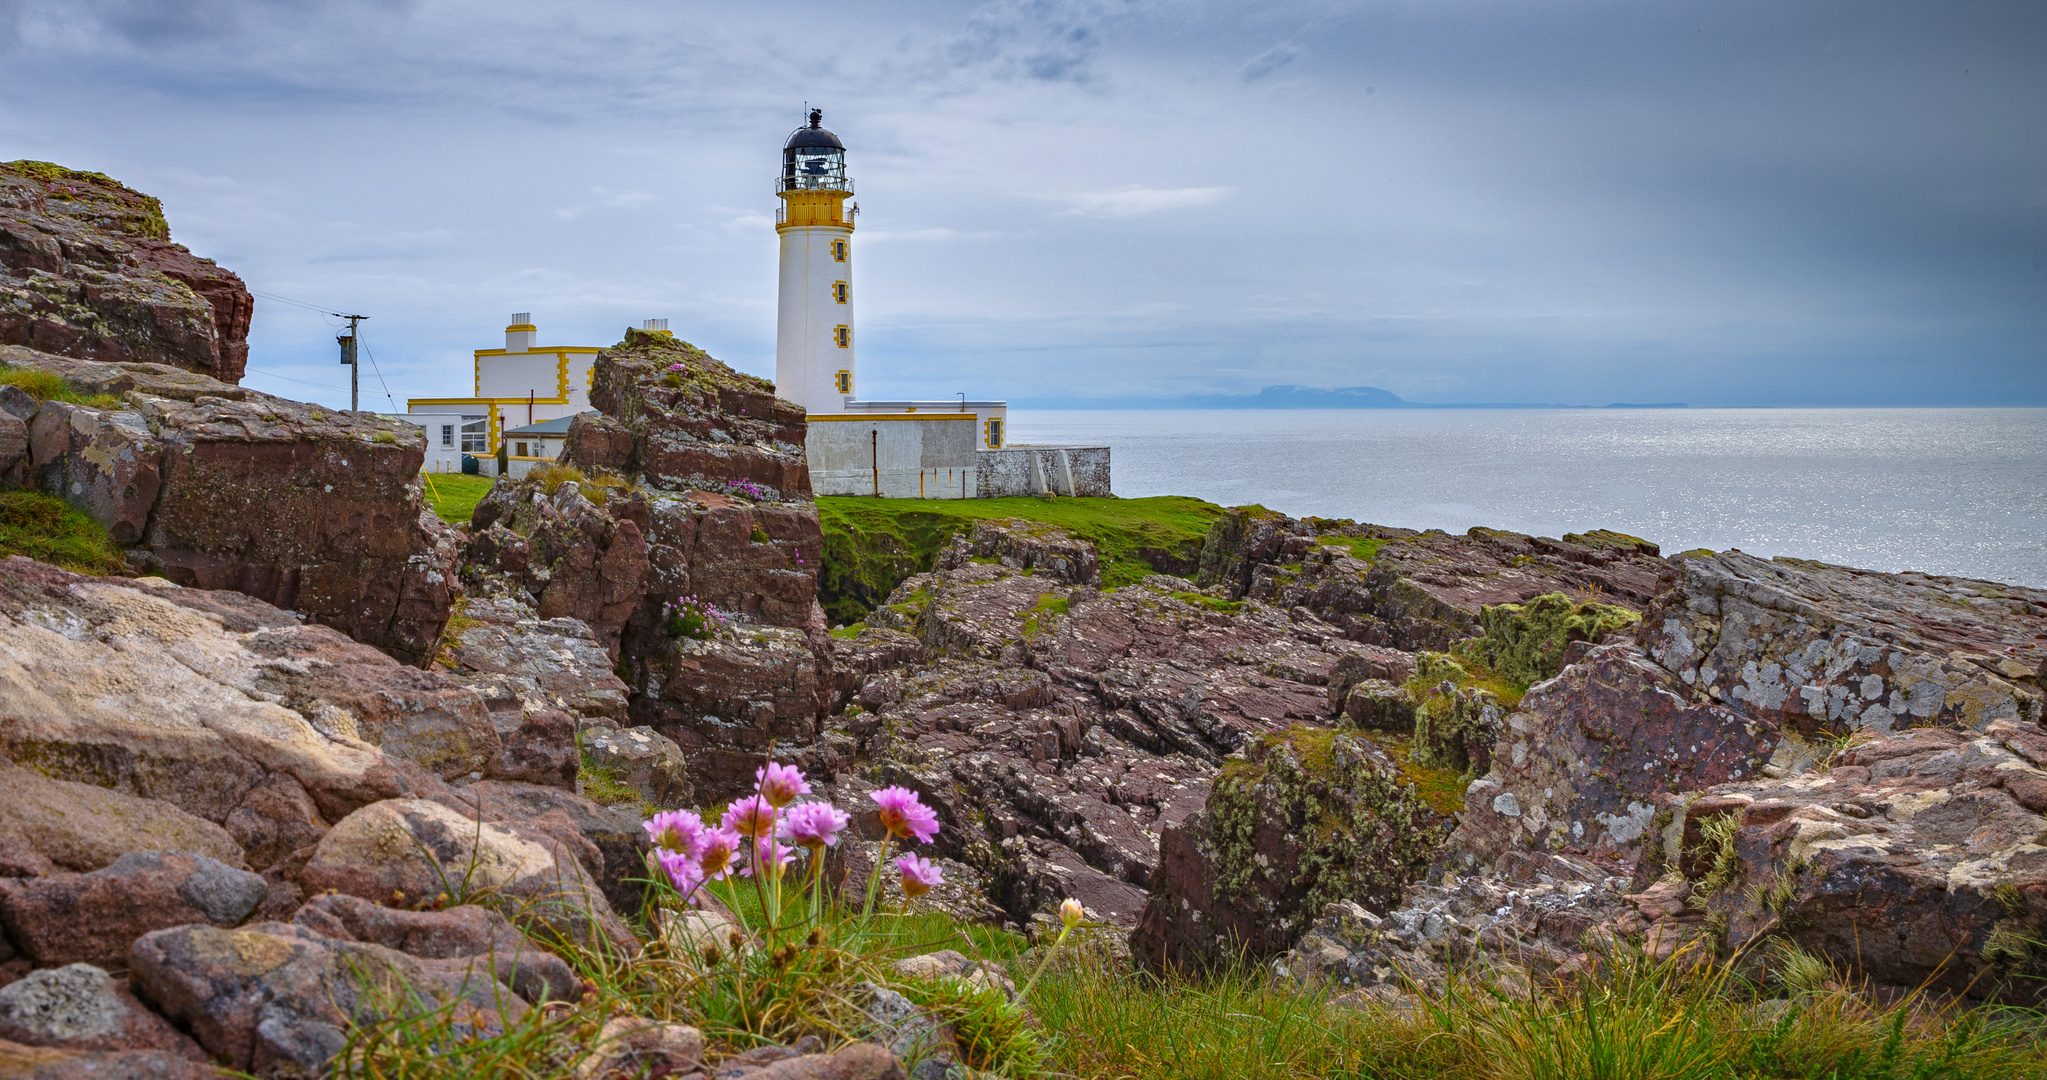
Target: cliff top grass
47	529
50	386
97	197
454	496
871	545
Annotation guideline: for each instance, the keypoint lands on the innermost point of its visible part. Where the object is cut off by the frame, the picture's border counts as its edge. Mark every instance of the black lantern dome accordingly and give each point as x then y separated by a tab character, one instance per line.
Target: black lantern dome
814	159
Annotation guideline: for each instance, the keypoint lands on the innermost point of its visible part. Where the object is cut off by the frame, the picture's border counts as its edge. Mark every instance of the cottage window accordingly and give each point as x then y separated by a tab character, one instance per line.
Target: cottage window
475	435
522	450
994	433
448	436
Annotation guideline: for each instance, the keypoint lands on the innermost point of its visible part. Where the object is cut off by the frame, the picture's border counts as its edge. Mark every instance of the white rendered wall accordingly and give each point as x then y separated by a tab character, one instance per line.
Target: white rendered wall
807	354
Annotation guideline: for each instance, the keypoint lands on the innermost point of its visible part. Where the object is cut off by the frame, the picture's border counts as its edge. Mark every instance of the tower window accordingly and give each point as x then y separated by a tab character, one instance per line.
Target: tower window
994	432
844	381
843	335
838	251
840	291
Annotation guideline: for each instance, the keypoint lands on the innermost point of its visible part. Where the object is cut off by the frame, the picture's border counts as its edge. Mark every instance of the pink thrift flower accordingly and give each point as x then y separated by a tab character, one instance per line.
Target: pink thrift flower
814	825
771	857
920	875
780	784
720	846
683	872
750	815
903	815
680	831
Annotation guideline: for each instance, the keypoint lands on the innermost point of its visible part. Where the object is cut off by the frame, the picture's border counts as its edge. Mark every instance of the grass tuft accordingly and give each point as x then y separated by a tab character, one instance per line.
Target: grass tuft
48	529
50	386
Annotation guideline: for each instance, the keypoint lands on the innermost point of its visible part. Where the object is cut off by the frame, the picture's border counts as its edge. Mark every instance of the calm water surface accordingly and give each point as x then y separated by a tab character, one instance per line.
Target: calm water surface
1949	491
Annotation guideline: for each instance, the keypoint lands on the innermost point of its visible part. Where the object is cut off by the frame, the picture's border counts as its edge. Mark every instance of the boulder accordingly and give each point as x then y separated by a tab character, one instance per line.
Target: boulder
1307	817
1033	546
857	1061
1381	705
1589	758
1816	648
541	750
755	558
81	1007
104	461
413	850
277	1000
1913	860
577	549
49	825
610	841
1510	932
276	818
597	443
66	918
181	695
642	760
49	1063
89	270
697	423
1367	662
523	664
635	1046
463	931
1414	591
725	697
313	510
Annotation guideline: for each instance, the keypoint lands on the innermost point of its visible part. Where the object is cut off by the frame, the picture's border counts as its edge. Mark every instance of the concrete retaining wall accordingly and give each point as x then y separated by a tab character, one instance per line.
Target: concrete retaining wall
895	457
1021	469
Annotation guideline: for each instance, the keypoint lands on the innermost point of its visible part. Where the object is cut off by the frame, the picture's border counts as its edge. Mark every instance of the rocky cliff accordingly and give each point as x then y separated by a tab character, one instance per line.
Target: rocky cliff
88	270
216	486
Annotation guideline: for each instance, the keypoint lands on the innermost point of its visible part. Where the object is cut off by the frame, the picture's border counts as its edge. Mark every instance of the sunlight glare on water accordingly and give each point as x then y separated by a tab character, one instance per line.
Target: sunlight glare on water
1947	491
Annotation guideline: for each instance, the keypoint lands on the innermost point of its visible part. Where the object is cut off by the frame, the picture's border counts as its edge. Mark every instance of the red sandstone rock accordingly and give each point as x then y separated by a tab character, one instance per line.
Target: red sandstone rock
81	1007
89	271
1418	590
276	1000
1591	756
48	825
702	425
67	918
575	558
50	1063
458	932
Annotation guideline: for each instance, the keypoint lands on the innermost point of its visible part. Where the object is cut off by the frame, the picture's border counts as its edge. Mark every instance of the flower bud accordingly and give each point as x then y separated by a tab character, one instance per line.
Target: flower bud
1070	912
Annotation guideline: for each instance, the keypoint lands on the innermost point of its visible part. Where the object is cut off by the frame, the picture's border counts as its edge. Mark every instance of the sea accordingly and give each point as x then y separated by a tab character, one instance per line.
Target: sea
1961	492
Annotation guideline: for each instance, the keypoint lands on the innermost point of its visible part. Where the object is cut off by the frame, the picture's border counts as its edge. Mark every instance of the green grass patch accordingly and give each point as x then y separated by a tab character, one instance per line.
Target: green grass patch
849	632
453	496
871	545
1361	547
1671	1021
50	386
1212	603
48	529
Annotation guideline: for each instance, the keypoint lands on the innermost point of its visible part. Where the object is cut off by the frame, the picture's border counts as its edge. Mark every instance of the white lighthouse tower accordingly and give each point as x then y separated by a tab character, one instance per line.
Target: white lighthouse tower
947	448
814	335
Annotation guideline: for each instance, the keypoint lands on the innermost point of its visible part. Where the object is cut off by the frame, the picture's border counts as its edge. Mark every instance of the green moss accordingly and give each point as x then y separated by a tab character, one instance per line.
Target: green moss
46	528
602	786
1459	705
1360	833
126	209
1442	789
871	545
1524	643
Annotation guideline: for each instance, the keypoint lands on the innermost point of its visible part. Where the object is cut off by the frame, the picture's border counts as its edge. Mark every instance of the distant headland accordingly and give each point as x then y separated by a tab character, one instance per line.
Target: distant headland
1319	397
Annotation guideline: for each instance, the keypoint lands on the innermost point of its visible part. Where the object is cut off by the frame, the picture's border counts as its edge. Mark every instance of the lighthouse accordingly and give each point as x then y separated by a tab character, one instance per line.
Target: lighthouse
945	448
814	343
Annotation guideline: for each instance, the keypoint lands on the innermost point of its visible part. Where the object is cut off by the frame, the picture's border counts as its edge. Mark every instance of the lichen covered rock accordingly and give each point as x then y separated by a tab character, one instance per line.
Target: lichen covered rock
697	423
1308	817
88	269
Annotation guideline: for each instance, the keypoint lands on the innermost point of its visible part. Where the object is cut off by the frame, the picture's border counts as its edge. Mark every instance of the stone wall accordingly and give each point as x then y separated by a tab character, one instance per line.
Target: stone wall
895	458
1014	470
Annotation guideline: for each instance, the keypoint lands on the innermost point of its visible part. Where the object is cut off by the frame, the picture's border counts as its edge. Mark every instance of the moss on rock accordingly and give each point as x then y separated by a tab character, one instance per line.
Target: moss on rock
1525	643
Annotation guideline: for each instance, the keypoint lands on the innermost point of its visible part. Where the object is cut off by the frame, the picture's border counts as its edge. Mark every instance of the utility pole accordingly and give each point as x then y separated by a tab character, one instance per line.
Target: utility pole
348	346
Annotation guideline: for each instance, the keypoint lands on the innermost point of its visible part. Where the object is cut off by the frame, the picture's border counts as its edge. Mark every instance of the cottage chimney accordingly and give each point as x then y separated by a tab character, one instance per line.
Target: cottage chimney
522	334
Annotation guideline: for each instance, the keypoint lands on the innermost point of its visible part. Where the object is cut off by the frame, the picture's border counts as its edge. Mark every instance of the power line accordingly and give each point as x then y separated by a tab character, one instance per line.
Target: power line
287	378
299	303
380	376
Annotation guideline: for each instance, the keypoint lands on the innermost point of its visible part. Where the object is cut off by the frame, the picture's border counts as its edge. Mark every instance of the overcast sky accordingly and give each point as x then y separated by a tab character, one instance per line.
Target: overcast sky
1498	200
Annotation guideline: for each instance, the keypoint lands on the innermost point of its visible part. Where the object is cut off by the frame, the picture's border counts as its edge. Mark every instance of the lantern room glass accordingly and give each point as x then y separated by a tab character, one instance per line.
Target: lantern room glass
814	168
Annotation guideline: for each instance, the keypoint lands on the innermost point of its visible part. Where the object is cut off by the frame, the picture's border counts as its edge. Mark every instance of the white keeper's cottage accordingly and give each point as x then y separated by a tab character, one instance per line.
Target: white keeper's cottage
526	393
